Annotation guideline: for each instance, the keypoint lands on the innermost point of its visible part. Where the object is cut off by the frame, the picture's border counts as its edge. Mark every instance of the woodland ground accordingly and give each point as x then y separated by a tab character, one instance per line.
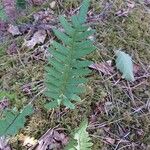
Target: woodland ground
118	111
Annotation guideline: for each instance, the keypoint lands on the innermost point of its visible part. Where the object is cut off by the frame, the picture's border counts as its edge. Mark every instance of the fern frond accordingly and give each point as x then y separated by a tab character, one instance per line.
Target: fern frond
66	74
13	121
81	139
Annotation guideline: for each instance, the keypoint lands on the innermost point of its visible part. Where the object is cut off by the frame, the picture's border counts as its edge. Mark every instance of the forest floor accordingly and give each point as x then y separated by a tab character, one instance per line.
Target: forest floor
118	110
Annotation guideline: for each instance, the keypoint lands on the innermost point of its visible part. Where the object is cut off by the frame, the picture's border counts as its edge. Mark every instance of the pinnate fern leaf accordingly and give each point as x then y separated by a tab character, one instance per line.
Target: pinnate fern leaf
13	121
81	139
65	74
125	65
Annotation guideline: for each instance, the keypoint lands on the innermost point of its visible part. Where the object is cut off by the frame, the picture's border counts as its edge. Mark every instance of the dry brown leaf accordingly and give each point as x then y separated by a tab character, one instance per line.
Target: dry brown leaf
4	103
14	30
53	4
10	9
27	141
130	4
38	38
136	68
125	11
105	67
2	26
52	139
4	144
147	2
44	16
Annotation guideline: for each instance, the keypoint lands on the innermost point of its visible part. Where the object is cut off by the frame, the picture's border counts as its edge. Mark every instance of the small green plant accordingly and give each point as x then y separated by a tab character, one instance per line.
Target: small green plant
80	139
65	77
12	120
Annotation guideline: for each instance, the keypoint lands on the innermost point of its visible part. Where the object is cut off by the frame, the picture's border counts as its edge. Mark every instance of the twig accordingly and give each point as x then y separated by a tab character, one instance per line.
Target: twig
36	96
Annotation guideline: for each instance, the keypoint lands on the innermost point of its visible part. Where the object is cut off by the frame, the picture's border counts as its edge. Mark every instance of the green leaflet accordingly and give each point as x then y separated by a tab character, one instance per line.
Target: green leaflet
51	105
83	11
75	22
67	70
125	65
60	48
66	25
85	35
13	121
58	55
84	44
63	37
80	139
3	15
68	104
82	64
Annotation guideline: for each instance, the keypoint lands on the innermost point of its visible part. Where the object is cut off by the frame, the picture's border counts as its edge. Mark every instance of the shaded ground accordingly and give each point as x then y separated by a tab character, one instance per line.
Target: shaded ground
118	110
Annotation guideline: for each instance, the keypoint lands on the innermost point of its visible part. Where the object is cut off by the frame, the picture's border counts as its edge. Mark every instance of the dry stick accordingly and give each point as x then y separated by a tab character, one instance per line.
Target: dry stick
60	4
121	140
144	76
110	78
128	94
43	138
120	119
20	59
134	87
36	96
131	94
103	139
100	16
125	146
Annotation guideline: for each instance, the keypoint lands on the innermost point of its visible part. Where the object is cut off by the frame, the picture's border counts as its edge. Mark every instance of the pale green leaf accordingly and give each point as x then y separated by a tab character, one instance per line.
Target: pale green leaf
125	65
